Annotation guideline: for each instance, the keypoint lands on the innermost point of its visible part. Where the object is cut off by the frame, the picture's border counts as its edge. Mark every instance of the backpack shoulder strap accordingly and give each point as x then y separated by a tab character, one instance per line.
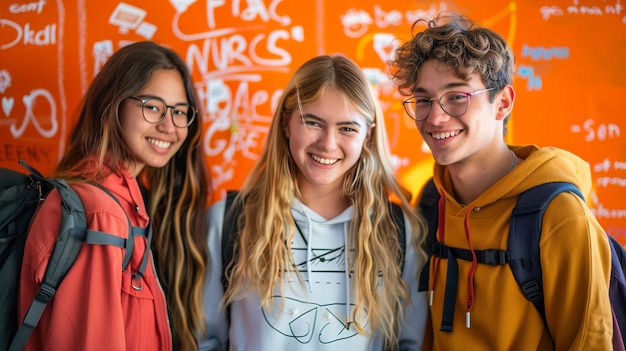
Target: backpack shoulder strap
71	236
230	231
524	235
428	206
398	219
617	293
95	237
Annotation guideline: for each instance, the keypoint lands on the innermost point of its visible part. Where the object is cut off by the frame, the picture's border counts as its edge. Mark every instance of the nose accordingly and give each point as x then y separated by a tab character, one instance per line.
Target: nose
327	139
437	114
167	123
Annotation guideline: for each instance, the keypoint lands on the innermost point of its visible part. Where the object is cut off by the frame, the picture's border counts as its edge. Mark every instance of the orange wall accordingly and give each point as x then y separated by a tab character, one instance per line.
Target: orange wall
571	73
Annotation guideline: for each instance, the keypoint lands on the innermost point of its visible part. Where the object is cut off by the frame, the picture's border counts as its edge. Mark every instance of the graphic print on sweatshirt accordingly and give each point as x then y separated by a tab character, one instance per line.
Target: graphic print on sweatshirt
317	309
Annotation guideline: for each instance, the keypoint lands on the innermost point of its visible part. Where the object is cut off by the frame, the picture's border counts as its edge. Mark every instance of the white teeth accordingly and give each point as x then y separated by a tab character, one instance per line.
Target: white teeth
160	144
326	161
440	136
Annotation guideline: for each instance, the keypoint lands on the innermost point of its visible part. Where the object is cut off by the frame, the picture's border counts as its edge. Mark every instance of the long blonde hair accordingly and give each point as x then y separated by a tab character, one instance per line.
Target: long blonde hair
263	249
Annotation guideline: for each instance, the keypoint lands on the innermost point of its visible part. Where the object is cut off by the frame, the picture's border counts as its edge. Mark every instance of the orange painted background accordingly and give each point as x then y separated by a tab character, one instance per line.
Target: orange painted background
570	83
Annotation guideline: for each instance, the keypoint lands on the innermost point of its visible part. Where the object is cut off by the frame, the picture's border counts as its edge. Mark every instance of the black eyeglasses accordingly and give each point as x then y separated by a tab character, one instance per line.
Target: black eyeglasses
154	110
453	103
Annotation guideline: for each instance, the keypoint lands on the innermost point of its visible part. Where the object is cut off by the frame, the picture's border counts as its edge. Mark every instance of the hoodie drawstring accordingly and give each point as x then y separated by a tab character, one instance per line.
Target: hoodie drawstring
347	272
452	278
309	258
441	226
440	251
309	254
470	277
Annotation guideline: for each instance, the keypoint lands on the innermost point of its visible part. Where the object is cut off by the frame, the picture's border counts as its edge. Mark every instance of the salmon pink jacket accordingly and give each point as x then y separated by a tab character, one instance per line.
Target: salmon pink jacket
98	306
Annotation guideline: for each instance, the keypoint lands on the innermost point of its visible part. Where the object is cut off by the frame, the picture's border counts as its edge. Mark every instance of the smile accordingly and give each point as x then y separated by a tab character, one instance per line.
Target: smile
325	161
446	135
159	143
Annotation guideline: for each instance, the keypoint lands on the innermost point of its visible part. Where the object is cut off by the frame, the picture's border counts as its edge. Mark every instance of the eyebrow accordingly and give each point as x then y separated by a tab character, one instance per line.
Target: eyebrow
150	96
447	86
323	121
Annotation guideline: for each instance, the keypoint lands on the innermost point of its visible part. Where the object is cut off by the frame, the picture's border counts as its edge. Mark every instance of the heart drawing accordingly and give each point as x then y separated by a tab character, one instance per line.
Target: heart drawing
7	105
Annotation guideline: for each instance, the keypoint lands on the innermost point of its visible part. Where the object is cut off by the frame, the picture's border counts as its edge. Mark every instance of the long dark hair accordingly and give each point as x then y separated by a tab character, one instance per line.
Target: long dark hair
177	192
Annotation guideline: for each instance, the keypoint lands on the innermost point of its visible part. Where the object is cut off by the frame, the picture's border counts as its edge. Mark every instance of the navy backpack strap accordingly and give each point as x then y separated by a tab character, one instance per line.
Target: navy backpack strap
229	232
428	206
524	235
398	219
617	293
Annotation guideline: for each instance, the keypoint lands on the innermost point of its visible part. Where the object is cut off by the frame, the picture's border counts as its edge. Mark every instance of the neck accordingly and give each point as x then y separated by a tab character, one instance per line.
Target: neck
328	202
470	179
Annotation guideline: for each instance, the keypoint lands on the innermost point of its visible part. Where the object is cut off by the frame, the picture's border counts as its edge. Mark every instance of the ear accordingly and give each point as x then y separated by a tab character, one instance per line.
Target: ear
284	123
370	136
505	102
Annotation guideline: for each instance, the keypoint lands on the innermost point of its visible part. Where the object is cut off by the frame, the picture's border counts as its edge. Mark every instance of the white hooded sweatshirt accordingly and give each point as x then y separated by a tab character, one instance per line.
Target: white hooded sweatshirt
314	312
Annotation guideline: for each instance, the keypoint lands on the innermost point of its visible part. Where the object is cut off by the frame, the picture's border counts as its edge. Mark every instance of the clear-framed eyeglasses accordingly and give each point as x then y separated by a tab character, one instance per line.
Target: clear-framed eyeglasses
154	110
454	103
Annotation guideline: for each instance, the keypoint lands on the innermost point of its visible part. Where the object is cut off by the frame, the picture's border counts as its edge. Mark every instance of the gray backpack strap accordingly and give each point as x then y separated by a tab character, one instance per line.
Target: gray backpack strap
70	240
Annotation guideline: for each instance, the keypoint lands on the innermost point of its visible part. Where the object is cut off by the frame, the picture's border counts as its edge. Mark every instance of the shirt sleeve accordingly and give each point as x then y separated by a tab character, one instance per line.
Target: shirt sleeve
416	310
216	337
576	265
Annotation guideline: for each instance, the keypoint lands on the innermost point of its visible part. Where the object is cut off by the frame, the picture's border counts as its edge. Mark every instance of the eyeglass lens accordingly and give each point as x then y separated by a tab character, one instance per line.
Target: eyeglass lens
453	103
154	111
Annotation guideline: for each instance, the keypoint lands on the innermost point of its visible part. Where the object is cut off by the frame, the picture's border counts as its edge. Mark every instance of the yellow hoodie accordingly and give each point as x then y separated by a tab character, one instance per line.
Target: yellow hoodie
575	260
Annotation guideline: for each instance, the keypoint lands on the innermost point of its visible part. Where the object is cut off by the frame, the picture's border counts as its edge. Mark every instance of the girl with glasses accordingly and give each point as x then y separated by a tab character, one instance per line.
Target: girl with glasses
157	175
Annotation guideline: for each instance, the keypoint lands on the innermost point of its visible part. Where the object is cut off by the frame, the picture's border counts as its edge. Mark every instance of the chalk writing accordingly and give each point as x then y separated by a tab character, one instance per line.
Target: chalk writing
232	61
607	165
51	115
36	7
12	153
576	9
357	22
528	72
27	35
603	212
181	5
601	133
5	80
101	51
541	53
384	19
7	105
255	9
127	17
603	182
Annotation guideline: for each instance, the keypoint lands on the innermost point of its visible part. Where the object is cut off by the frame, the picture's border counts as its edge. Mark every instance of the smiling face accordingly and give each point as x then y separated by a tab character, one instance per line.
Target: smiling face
476	132
154	145
325	141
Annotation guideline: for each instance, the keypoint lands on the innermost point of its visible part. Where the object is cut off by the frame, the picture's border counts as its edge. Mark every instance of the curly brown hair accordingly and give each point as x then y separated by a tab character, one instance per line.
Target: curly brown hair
458	42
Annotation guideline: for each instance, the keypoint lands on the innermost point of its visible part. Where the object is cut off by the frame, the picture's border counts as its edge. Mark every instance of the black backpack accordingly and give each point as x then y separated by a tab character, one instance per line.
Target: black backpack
20	197
522	254
230	233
